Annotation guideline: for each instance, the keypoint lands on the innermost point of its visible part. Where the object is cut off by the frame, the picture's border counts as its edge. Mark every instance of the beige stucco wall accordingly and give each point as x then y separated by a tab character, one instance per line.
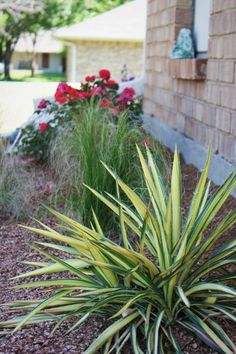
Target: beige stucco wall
69	64
93	56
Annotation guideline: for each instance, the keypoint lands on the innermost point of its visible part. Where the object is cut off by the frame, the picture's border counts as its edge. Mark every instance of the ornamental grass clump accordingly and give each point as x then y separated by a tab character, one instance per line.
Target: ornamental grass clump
16	187
157	279
76	155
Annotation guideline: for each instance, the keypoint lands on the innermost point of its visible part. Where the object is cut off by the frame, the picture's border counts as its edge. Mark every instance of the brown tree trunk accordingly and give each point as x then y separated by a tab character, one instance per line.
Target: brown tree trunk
7	60
1	53
33	59
33	66
7	76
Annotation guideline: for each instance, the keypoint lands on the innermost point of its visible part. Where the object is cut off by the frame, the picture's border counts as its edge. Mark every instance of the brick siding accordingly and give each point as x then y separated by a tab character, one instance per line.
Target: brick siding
205	111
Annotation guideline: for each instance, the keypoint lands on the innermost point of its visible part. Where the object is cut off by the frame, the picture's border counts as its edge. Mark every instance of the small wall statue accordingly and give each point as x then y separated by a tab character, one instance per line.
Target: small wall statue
124	73
184	47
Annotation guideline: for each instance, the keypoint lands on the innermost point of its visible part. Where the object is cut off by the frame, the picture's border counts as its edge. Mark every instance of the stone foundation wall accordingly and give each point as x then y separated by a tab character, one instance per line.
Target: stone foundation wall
203	110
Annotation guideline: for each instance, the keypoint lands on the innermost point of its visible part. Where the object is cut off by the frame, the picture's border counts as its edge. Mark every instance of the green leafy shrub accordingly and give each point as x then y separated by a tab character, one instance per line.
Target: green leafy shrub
76	156
158	278
16	187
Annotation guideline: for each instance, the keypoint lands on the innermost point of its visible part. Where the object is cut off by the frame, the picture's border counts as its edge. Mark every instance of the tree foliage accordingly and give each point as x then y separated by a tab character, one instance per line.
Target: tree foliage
17	7
19	16
89	8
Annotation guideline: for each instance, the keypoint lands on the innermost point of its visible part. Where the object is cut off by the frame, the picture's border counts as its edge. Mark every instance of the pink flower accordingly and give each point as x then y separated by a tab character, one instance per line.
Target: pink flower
42	104
43	127
123	106
147	143
61	93
62	87
49	187
104	74
116	111
126	95
97	91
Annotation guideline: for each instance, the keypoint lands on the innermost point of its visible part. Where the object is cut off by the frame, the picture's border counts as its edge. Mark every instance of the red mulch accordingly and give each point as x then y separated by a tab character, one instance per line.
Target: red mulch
35	339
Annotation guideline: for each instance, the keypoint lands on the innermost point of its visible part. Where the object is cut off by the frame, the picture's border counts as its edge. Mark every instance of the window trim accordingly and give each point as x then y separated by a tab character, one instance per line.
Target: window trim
199	54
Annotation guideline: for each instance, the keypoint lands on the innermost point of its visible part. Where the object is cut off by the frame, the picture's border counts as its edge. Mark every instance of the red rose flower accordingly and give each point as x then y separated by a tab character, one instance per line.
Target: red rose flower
90	78
104	74
74	94
123	107
43	127
60	98
61	93
84	94
105	103
42	104
111	83
65	93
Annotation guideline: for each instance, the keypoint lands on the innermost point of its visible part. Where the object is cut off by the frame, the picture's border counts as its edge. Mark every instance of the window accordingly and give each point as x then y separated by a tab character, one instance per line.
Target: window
45	60
202	10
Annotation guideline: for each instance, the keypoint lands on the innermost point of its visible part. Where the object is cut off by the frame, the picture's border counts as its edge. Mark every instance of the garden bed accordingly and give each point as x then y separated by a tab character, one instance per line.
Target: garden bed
35	339
147	265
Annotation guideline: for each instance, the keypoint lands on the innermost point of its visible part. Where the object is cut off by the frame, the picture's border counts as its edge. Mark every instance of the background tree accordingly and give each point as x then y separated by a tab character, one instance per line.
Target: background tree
19	16
15	17
89	8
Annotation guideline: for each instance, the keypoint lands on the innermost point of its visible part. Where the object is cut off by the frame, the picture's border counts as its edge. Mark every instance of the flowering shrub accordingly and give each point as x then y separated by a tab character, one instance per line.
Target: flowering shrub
35	137
101	88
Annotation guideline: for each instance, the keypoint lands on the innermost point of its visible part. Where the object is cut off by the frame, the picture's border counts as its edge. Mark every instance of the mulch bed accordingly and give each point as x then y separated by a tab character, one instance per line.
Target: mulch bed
35	339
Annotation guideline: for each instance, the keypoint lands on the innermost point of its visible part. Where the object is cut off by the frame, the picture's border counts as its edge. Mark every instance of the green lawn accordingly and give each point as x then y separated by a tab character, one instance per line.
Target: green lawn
25	75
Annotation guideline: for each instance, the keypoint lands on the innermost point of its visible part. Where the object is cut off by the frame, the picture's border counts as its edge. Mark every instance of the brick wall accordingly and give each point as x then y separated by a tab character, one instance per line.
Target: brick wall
93	56
204	111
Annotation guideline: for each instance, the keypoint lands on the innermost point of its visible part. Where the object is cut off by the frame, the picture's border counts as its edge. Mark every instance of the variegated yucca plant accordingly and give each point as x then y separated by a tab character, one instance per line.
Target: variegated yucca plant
157	280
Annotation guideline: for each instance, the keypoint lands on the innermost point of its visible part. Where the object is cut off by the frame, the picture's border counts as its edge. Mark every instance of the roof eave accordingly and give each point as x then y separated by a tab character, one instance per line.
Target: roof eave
98	39
38	52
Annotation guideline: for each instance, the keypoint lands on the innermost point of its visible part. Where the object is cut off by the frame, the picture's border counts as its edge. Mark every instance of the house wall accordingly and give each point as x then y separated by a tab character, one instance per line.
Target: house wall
22	61
203	111
69	74
93	56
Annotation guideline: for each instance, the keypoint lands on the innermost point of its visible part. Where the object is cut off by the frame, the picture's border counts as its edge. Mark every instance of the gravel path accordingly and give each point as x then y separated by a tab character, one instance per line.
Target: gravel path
35	339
